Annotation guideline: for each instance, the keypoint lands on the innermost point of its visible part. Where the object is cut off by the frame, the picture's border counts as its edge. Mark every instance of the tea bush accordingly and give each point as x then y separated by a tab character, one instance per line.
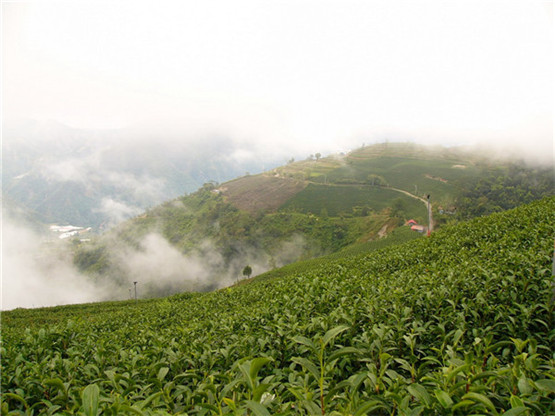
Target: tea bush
459	323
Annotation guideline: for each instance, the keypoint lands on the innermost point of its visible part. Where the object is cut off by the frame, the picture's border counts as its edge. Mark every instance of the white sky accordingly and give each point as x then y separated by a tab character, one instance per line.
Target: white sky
313	73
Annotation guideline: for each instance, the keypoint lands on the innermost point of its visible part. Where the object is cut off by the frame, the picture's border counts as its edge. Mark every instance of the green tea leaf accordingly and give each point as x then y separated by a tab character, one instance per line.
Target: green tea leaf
332	333
16	397
131	409
257	408
162	373
304	341
230	403
343	351
515	411
257	364
443	398
480	398
524	386
546	384
91	395
516	401
368	407
420	393
307	365
57	383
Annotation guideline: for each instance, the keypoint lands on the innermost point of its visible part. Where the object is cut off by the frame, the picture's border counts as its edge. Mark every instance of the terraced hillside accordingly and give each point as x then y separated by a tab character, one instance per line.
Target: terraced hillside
459	323
396	171
415	169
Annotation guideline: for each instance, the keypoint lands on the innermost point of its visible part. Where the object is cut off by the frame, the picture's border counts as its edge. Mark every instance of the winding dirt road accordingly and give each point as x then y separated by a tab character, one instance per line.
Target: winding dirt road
423	200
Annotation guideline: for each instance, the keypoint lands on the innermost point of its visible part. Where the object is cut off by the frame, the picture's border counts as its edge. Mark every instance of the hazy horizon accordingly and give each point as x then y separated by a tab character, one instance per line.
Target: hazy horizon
306	76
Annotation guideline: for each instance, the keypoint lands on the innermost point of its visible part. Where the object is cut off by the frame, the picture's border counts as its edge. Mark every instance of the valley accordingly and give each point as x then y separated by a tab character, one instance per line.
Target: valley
298	211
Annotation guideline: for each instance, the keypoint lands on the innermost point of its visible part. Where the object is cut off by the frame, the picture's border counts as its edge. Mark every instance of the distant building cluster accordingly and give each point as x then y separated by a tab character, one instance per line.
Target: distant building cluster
67	231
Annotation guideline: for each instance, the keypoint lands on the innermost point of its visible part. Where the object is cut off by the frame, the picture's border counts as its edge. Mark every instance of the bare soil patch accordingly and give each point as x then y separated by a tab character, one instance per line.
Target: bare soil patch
261	192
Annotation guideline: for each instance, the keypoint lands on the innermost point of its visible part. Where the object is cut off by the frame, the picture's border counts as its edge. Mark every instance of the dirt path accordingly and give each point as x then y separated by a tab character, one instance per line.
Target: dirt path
425	201
409	194
383	231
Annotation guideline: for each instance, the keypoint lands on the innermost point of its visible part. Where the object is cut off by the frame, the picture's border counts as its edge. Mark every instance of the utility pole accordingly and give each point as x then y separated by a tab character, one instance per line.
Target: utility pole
553	270
429	216
135	283
553	280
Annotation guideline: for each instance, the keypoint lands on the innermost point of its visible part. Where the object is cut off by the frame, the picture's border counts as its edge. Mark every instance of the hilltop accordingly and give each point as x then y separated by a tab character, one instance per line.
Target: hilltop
415	169
458	323
302	210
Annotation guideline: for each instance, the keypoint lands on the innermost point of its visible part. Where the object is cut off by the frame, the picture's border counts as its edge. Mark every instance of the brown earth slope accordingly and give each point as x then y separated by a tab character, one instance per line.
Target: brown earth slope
260	192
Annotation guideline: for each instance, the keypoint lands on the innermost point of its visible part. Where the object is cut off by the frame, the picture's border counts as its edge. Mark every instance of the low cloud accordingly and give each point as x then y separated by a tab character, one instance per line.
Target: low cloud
38	273
69	170
144	188
38	269
93	170
161	269
156	263
116	211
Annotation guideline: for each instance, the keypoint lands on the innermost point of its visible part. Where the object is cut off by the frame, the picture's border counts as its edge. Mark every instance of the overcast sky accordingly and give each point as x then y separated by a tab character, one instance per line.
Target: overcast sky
308	73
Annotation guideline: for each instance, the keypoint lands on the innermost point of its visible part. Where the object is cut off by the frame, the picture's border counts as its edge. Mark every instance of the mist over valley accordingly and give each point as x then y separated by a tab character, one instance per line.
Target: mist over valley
202	240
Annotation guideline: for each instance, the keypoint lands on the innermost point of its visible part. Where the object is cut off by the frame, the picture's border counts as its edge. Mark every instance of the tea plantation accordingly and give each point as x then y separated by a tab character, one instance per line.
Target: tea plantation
456	324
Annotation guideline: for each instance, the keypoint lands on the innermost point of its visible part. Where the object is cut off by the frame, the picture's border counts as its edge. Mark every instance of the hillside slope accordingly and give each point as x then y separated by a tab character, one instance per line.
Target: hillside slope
416	169
458	323
302	210
260	192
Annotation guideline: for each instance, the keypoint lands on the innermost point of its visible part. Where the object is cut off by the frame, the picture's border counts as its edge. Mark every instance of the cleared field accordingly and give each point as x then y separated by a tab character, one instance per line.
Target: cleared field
260	192
406	150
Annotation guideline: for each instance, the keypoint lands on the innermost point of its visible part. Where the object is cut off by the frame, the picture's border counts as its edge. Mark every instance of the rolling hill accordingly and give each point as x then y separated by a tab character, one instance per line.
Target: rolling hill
302	210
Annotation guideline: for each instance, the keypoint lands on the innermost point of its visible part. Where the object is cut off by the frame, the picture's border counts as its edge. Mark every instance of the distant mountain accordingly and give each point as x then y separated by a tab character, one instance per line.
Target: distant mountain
101	177
13	211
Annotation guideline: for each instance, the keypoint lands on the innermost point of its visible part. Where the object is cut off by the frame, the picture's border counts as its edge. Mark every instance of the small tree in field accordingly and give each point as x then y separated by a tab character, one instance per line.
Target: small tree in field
247	271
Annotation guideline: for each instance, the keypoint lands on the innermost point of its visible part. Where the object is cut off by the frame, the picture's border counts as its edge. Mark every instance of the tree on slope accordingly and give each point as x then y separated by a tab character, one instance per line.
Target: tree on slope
247	271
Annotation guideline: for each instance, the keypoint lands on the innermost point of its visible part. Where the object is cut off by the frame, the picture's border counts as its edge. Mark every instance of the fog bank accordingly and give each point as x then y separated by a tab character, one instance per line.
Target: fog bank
38	273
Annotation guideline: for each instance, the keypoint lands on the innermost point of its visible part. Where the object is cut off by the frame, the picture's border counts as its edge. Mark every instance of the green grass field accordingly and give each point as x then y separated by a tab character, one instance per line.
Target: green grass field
412	175
337	199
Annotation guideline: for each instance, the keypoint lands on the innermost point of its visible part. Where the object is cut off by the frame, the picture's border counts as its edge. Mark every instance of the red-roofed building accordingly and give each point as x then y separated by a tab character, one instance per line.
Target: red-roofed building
419	228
